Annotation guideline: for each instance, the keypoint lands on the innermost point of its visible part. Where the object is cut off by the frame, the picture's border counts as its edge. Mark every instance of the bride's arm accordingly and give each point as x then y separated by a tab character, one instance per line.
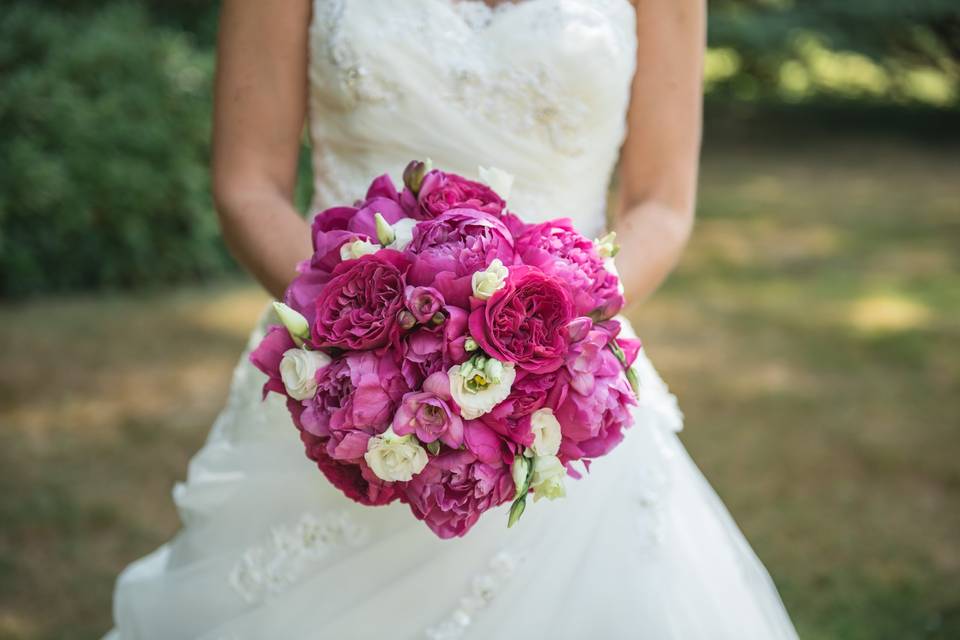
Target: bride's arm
658	171
260	105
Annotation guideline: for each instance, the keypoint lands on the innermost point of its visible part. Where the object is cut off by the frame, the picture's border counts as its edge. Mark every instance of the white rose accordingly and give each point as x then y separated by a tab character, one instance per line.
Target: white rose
402	233
298	370
548	474
497	179
357	248
477	392
546	432
395	458
490	280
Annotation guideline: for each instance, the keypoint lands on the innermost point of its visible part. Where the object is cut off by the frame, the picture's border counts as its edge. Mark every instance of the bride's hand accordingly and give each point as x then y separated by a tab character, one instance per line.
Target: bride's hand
260	106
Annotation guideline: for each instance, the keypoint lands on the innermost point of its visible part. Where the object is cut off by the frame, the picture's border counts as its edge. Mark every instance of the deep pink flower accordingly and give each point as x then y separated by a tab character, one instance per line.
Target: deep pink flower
423	303
439	192
447	251
597	407
559	250
529	392
356	398
428	413
524	322
267	356
354	479
454	489
357	309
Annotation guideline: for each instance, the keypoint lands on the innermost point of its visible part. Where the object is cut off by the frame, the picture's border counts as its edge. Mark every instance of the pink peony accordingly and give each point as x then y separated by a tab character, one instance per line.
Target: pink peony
447	251
439	192
597	406
454	489
511	418
354	479
428	414
524	322
356	398
559	250
358	307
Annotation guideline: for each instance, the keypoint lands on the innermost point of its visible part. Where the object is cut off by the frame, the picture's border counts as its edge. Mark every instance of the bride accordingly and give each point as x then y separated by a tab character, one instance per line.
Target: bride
550	91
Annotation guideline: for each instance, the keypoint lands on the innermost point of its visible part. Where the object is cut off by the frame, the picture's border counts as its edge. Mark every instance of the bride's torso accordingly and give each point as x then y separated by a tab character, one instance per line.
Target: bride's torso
538	88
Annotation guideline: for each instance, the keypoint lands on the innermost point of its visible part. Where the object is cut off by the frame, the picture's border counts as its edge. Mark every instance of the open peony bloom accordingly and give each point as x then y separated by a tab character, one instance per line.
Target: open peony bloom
357	309
454	489
524	322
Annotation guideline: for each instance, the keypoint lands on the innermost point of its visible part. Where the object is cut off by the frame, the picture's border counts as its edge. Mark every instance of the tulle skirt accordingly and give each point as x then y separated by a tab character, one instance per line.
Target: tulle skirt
640	548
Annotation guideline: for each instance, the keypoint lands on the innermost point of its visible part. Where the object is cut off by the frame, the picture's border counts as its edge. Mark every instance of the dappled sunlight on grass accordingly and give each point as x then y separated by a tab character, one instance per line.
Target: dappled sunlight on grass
888	312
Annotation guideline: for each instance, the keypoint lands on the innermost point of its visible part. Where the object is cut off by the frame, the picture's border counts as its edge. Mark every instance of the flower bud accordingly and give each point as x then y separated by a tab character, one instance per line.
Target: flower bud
438	318
470	345
385	234
295	323
607	246
493	370
406	320
520	470
414	173
578	328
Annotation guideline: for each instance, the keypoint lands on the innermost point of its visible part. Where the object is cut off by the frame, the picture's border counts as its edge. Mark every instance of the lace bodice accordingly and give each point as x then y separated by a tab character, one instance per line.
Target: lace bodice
538	88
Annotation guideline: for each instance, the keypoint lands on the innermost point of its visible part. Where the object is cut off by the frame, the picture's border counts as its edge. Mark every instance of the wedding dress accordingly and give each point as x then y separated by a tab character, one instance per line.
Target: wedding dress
640	548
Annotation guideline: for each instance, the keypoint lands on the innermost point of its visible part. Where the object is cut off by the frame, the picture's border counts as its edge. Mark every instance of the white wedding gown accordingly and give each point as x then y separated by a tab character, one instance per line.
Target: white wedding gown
640	548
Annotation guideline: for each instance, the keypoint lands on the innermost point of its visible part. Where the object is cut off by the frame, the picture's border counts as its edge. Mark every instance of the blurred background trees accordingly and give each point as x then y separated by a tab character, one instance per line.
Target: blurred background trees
104	117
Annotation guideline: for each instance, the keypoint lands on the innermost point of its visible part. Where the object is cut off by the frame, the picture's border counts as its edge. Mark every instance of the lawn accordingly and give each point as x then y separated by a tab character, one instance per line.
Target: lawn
811	333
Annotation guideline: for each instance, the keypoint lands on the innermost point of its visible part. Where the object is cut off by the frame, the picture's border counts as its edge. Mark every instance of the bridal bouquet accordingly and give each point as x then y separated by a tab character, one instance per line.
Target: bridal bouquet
437	350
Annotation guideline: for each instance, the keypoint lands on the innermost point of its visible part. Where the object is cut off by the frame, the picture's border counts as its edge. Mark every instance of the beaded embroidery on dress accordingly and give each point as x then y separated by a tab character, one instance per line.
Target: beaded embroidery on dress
641	548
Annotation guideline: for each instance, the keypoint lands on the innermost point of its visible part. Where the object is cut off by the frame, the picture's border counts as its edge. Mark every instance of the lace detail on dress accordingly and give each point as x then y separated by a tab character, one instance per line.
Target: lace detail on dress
483	589
289	552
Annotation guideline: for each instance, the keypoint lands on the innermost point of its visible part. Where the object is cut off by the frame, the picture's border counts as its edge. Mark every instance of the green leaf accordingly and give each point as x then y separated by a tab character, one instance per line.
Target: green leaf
516	510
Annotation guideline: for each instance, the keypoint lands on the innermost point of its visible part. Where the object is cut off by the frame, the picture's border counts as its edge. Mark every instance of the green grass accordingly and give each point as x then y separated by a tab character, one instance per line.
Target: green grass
811	332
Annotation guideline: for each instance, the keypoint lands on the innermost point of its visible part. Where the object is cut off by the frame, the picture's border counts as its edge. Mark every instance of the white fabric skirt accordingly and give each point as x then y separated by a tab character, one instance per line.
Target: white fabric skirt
640	548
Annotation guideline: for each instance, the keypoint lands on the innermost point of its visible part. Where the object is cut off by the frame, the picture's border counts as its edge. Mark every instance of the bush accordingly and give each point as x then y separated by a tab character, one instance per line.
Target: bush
104	128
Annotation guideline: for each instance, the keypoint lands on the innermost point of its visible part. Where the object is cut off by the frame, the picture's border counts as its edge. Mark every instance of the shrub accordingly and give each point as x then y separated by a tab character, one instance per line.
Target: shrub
104	128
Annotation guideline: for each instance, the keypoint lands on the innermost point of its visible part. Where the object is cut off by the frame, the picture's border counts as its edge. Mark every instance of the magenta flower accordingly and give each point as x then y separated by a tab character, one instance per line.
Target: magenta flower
524	322
357	308
356	398
447	251
267	356
440	192
423	303
354	479
454	489
428	413
597	407
557	249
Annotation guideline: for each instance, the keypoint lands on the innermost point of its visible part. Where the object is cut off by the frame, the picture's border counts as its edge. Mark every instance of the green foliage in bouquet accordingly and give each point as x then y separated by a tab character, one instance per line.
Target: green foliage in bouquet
104	128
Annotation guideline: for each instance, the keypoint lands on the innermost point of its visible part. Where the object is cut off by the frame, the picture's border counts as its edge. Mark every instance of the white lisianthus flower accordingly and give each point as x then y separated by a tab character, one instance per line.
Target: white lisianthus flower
402	233
607	246
480	384
295	323
546	432
395	458
298	371
357	248
497	179
490	280
548	474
